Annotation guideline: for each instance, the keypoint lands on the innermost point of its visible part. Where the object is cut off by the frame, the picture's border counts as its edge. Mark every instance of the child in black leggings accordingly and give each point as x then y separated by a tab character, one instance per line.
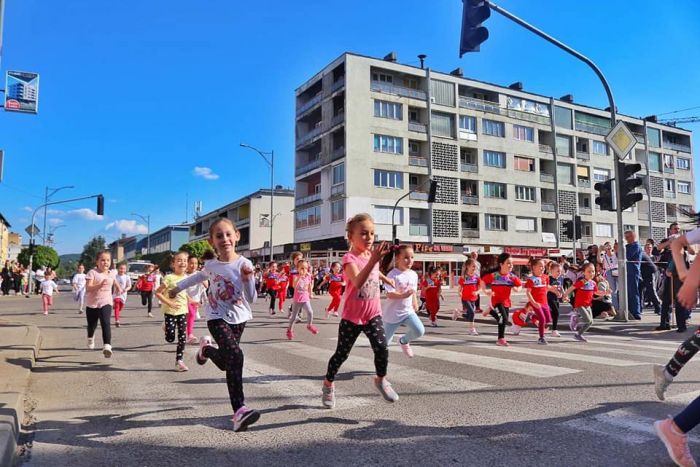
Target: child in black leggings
502	283
553	299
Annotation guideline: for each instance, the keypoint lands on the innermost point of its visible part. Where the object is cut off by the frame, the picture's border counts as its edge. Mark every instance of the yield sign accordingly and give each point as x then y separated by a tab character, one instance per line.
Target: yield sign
621	140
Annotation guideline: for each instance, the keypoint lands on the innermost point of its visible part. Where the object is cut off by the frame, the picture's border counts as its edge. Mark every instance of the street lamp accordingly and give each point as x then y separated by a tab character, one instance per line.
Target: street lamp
271	163
431	199
48	195
147	220
52	231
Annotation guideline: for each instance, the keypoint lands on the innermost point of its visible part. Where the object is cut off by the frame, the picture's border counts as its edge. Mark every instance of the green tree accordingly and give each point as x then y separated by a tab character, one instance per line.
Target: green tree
90	250
43	256
162	259
66	269
196	248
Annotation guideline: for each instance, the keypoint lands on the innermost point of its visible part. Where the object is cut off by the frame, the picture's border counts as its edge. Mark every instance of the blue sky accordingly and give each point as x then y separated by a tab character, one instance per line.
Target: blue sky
136	95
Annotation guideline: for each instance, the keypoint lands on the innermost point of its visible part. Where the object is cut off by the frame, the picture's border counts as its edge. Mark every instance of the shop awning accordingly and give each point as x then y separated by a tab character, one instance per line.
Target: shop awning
440	257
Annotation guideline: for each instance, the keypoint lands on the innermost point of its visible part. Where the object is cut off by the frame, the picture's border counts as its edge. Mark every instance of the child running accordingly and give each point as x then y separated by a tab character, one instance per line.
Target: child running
469	286
537	286
98	298
502	283
335	282
195	296
554	295
272	284
78	284
175	309
432	286
230	293
303	284
402	303
146	285
362	312
582	316
124	282
282	284
48	287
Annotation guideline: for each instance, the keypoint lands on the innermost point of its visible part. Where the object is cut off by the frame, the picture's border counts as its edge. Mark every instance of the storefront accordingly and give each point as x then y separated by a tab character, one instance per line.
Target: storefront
448	257
520	256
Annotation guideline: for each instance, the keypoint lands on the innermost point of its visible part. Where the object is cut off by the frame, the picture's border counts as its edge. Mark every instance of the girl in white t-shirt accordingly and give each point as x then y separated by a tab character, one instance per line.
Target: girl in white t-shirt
48	287
402	304
78	283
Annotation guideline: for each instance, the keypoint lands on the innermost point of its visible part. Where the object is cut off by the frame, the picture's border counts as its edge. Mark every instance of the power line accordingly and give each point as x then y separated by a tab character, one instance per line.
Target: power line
679	111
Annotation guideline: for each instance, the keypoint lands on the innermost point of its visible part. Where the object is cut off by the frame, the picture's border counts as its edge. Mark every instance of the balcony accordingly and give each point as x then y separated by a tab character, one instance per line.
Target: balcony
547	207
418	196
527	116
470	168
307	199
584	183
417	127
546	149
418	161
668	169
338	84
586	211
242	222
670	194
418	230
315	164
639	138
595	129
470	199
671	217
583	156
317	130
337	153
337	119
546	178
310	103
388	88
478	104
470	233
676	146
338	189
642	216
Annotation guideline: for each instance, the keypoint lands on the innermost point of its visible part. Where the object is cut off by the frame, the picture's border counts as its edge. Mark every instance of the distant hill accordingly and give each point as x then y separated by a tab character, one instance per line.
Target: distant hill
70	257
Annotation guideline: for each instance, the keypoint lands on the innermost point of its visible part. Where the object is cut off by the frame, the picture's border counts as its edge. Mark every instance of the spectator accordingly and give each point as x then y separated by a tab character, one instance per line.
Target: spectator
633	255
647	284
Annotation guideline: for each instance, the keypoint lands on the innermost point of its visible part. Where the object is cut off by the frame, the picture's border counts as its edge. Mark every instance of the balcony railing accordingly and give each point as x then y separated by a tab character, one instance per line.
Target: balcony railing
338	189
546	149
584	156
337	119
527	116
670	195
668	170
547	207
243	222
339	83
337	153
418	196
387	88
308	167
478	104
470	233
317	130
584	183
418	161
586	211
307	199
639	138
676	146
471	168
418	230
595	129
470	199
643	216
417	127
547	178
670	217
310	103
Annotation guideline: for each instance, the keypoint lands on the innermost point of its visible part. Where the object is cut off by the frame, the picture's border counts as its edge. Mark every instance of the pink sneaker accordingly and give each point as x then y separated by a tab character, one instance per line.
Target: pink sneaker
473	332
455	315
290	334
203	342
407	349
675	441
192	340
312	328
180	366
502	342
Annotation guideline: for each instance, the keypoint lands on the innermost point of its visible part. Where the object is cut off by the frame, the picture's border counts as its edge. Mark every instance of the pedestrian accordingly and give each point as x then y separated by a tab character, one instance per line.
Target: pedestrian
98	298
432	288
303	288
6	278
502	283
146	286
602	306
537	286
39	276
293	260
610	271
195	299
582	316
421	296
175	308
78	284
48	288
474	256
633	255
230	293
335	282
401	304
272	284
647	284
282	285
554	295
123	282
362	312
469	287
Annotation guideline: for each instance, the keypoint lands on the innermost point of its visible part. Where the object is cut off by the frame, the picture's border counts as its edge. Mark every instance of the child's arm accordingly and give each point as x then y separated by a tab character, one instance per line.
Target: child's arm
247	271
568	291
160	293
688	293
677	251
385	279
189	281
359	277
531	300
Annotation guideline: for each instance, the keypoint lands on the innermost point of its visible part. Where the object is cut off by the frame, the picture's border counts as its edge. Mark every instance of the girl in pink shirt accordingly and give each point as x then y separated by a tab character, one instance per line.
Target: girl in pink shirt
302	284
98	299
362	312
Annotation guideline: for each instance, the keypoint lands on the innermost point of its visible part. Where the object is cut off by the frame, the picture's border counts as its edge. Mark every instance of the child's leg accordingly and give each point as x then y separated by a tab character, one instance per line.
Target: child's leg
433	309
541	320
500	313
347	335
309	312
478	302
689	417
45	303
296	309
229	356
554	310
390	330
374	330
92	316
191	315
118	304
585	319
105	316
181	322
81	296
282	297
273	295
469	309
685	352
143	298
335	302
415	329
170	326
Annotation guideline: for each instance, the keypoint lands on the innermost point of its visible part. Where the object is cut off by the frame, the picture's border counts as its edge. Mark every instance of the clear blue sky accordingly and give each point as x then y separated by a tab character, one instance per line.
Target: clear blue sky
135	95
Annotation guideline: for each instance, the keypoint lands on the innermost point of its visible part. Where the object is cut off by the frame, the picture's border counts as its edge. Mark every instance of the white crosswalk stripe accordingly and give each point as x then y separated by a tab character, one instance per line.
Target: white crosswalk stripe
563	355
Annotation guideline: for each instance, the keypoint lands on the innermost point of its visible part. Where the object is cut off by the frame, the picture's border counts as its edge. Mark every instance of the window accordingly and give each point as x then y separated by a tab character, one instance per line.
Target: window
604	230
414	148
410	83
495	159
586	227
599	147
413	115
563	145
654	137
442	124
467	123
493	128
382	215
338	210
525	224
496	222
562	117
668	162
338	174
654	162
524	164
601	175
308	217
683	187
388	179
385	109
382	77
495	190
389	144
565	173
524	193
683	164
670	185
524	133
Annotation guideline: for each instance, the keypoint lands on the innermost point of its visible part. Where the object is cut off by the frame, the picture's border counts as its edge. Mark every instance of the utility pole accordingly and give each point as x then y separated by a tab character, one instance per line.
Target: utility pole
48	195
271	163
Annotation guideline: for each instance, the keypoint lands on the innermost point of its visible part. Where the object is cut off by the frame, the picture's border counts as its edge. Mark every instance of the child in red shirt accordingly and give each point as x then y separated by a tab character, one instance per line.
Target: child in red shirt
469	287
282	283
582	317
271	285
335	282
537	286
432	287
502	283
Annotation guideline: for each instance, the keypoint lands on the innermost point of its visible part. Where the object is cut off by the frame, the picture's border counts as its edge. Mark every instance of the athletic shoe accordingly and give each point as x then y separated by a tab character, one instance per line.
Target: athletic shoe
385	389
273	312
244	417
203	342
46	313
515	330
502	342
150	315
573	321
290	334
580	338
328	313
455	314
91	343
192	340
180	366
116	323
406	349
299	318
336	314
80	312
328	396
675	441
661	381
472	332
555	333
198	315
542	341
433	323
663	327
107	351
312	329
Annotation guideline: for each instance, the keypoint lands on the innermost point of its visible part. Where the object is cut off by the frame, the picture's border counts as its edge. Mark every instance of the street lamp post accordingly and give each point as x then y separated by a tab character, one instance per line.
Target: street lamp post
48	195
271	163
50	239
434	185
147	220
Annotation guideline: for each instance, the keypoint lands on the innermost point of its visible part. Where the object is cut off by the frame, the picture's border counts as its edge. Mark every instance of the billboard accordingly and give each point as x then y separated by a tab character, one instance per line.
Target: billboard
22	91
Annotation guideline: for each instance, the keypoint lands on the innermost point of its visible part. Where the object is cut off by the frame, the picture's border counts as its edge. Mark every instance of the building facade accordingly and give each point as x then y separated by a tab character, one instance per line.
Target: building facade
4	239
512	166
168	238
14	245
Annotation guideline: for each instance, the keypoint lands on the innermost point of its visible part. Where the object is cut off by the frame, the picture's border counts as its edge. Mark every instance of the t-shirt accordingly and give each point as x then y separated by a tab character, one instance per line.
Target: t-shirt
432	290
397	309
558	283
335	283
39	275
501	286
271	279
149	281
170	281
584	292
103	295
124	283
361	305
693	237
79	280
470	287
195	293
228	297
538	288
47	287
301	290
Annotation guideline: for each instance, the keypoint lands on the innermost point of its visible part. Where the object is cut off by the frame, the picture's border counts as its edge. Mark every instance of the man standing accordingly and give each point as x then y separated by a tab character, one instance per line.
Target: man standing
633	255
647	286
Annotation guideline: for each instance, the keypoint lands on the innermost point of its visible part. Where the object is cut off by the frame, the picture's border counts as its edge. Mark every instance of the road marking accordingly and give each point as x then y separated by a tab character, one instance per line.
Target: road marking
595	347
583	358
684	398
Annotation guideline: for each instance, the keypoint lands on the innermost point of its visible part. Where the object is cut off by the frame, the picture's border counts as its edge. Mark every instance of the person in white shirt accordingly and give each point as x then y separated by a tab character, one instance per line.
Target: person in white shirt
78	284
48	287
39	276
123	281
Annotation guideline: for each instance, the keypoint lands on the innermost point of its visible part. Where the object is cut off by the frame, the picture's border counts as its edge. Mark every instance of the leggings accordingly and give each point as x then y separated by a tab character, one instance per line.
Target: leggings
500	313
102	315
544	317
468	309
348	333
685	352
118	307
147	299
296	310
47	301
335	302
273	294
281	296
191	316
179	322
228	357
433	308
584	319
554	310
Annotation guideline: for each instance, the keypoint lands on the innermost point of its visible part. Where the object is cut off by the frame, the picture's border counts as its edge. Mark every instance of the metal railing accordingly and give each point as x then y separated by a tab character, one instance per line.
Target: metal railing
387	88
307	199
584	156
337	153
471	168
310	103
417	127
470	233
337	119
470	199
547	207
418	230
670	194
586	211
308	167
338	84
584	183
418	196
317	130
668	170
338	189
595	129
547	178
527	116
676	146
478	104
418	161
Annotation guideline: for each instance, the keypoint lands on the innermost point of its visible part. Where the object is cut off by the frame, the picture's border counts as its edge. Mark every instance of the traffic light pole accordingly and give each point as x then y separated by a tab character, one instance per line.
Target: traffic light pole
622	275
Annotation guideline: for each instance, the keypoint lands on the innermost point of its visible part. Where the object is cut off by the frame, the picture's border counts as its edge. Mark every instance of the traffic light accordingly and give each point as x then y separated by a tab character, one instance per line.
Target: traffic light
579	227
628	197
474	12
31	247
433	190
100	205
569	229
606	195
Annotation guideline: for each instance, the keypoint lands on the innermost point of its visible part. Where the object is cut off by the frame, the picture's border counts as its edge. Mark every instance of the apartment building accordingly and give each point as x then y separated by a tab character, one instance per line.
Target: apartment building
513	166
14	245
4	239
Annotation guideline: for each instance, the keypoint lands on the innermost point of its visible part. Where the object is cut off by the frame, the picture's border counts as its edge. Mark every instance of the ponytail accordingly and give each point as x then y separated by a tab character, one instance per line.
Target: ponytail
388	259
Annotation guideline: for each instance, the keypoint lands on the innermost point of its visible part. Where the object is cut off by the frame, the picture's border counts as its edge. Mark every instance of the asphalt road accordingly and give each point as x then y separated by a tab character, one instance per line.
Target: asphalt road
464	401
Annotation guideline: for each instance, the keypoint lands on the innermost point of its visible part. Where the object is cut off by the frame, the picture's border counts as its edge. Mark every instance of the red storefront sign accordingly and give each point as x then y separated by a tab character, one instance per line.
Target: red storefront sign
517	251
428	248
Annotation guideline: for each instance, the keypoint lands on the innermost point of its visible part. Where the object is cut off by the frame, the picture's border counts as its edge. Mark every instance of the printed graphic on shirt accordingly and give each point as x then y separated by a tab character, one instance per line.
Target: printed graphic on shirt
223	290
369	290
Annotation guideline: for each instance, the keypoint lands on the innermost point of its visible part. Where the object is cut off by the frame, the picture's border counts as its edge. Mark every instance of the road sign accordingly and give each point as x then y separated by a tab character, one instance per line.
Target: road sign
33	227
22	91
621	140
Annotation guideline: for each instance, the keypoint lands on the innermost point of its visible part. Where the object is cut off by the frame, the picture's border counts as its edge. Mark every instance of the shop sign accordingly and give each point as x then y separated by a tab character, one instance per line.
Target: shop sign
429	248
517	251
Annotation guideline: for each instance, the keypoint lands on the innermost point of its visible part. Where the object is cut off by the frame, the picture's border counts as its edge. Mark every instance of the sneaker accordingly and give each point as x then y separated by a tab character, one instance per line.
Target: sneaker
198	315
328	313
192	340
180	366
433	323
290	334
515	330
542	341
385	389
406	348
116	323
455	315
580	338
107	351
573	321
244	417
472	332
273	312
336	314
502	342
328	396
91	343
312	329
661	381
675	441
80	312
203	342
46	313
299	318
555	333
663	327
150	315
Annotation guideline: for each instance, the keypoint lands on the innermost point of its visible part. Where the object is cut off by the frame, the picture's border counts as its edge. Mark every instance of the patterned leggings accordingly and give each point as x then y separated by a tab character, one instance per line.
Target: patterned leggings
228	357
172	323
348	333
685	352
500	314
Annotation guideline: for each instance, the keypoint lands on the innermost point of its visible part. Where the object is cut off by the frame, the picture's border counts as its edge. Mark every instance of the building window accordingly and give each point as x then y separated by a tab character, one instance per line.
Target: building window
668	162
388	144
338	174
670	185
604	230
413	115
495	159
382	215
562	117
525	224
683	187
413	148
524	133
524	164
599	147
493	128
565	173
442	124
496	222
467	123
524	193
654	137
382	77
308	217
654	162
385	109
601	175
495	190
683	164
563	145
338	210
388	179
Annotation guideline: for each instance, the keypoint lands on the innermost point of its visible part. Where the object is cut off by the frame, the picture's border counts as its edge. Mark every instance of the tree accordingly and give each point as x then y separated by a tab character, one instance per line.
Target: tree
66	269
196	248
43	256
90	250
162	259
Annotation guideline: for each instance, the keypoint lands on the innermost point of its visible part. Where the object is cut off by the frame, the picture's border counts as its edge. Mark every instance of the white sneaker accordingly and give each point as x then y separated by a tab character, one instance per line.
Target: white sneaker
555	333
91	343
180	366
515	329
473	332
107	351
